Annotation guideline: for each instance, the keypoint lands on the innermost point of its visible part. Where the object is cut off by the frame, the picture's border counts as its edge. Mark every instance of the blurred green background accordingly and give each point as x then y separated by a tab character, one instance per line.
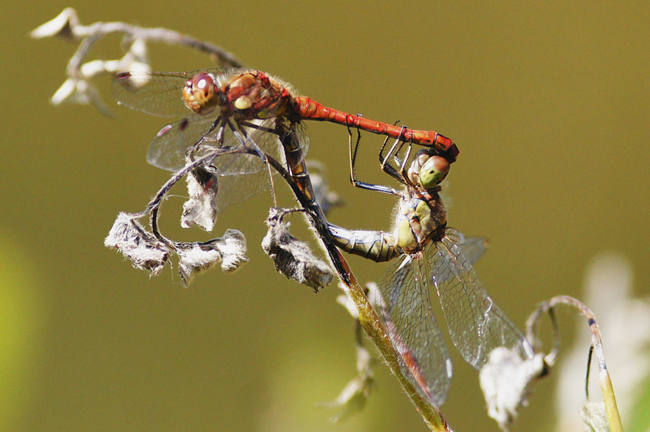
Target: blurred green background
547	100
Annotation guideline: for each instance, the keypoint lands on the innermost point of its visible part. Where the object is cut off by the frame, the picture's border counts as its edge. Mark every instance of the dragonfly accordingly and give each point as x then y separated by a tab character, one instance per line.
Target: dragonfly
242	108
429	255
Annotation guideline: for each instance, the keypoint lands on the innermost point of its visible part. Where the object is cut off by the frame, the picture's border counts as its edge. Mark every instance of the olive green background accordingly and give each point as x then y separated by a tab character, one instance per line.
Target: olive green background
547	100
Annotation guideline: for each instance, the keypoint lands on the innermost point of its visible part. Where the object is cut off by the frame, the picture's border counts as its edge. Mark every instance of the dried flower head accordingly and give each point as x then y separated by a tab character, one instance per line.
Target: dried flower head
229	250
140	246
200	209
292	257
62	26
506	380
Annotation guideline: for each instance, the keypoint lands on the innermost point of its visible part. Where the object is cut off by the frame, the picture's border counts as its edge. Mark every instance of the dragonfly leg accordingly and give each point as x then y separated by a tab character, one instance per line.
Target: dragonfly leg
402	169
245	141
218	124
401	173
384	161
353	149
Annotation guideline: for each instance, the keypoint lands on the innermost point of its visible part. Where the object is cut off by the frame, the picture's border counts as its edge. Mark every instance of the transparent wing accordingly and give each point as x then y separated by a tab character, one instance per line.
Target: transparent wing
472	248
155	93
407	315
167	150
234	186
476	324
241	175
237	188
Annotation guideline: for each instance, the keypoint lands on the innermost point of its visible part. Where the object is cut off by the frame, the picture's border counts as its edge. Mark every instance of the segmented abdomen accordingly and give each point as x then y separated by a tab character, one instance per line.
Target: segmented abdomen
378	246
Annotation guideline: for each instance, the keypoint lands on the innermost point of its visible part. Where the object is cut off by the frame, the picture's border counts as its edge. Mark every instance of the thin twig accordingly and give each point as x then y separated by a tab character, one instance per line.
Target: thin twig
596	347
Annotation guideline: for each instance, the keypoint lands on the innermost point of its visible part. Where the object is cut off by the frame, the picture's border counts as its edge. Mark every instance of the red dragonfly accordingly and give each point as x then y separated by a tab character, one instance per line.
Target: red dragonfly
229	108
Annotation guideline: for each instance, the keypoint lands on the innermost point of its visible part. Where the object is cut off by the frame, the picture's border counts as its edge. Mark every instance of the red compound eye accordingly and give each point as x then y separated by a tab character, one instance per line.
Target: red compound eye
199	92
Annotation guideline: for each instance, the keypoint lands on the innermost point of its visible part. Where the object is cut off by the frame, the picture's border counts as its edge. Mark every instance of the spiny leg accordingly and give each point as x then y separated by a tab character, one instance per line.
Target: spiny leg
394	153
353	159
403	171
385	165
218	124
245	141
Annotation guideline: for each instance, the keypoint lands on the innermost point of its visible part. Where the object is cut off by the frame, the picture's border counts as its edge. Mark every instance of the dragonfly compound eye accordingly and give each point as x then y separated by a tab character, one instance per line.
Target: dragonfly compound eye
434	170
199	92
414	170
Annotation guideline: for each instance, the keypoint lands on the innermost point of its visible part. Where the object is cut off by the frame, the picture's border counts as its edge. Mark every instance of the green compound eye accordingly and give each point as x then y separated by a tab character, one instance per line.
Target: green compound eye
434	170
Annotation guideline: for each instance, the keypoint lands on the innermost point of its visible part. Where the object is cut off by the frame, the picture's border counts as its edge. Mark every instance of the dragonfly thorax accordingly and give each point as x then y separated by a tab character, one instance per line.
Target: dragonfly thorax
421	218
246	96
255	95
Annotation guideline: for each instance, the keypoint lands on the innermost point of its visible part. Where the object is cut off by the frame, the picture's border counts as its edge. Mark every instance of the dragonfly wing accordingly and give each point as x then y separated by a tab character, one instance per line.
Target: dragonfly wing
156	93
237	188
476	324
167	149
300	134
406	311
472	248
240	174
266	135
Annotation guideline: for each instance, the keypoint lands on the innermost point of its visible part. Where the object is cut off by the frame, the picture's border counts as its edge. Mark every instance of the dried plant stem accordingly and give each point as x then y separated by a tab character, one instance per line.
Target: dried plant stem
606	387
88	35
375	330
368	318
98	30
153	207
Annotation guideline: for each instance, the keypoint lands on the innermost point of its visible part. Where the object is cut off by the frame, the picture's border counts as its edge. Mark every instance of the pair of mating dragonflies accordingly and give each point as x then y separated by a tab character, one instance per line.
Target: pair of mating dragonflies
239	108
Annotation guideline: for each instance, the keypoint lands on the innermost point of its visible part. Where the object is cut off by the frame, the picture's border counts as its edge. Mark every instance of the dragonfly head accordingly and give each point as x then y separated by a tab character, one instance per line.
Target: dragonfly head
433	171
200	93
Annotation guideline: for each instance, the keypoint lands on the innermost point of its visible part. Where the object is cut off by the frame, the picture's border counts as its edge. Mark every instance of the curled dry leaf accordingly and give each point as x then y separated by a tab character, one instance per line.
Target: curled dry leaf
195	258
229	250
349	305
81	92
506	381
62	26
292	257
594	417
200	209
233	247
144	250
